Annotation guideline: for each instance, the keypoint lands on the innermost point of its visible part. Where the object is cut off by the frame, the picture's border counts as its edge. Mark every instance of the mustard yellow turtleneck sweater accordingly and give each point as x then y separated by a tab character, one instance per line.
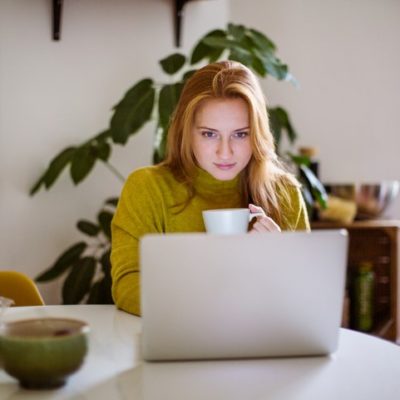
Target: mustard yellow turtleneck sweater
146	206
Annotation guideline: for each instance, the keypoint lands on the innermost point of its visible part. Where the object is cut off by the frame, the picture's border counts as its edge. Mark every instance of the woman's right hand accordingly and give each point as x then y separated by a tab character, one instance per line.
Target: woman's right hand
263	223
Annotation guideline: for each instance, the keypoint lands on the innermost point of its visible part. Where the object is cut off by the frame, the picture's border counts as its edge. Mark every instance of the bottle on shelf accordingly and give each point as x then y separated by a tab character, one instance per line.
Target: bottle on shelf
362	297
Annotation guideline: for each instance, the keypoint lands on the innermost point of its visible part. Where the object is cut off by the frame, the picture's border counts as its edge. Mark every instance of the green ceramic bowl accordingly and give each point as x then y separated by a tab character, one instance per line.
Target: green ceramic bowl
41	353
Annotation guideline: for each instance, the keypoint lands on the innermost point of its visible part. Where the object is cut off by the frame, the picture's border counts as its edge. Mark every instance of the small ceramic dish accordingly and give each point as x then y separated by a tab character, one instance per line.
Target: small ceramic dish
41	353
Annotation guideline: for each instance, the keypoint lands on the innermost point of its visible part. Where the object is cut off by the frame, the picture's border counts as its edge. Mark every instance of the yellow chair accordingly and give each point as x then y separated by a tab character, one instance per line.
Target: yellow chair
20	288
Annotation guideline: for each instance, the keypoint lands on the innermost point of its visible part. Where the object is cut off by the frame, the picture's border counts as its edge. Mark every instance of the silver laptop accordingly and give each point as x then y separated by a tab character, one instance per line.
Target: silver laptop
209	296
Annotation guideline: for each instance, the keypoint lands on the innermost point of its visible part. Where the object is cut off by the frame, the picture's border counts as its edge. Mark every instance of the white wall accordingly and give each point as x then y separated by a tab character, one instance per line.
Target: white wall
345	54
54	94
346	57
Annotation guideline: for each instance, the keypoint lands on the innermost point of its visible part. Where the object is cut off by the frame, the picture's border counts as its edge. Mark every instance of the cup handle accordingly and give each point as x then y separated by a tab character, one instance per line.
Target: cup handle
255	215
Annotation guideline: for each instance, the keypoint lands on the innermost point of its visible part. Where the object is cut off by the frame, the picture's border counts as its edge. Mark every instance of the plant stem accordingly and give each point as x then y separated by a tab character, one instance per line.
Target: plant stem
115	171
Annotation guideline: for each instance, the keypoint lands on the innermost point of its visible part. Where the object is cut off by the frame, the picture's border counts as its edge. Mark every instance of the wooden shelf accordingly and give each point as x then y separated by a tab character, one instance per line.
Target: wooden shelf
384	329
179	5
376	241
362	224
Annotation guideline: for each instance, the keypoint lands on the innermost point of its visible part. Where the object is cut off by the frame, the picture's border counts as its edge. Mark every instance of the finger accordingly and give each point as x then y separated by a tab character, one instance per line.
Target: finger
256	209
266	224
270	224
260	228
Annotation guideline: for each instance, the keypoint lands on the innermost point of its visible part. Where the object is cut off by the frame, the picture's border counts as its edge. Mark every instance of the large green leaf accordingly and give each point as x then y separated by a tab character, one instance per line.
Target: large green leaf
221	42
317	188
54	170
113	201
82	163
279	122
270	63
312	187
138	89
79	280
173	63
63	262
258	66
95	293
300	159
37	185
237	31
248	43
103	151
58	164
167	101
102	136
100	292
308	199
276	128
251	55
106	263
261	41
241	55
88	227
188	74
133	111
215	54
104	218
202	51
276	69
106	296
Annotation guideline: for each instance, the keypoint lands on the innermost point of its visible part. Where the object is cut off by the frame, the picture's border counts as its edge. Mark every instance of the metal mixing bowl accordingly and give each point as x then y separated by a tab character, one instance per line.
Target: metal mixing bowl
372	199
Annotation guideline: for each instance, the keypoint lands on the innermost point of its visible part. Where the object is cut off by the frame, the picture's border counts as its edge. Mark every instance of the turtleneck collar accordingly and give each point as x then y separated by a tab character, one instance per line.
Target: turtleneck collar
205	182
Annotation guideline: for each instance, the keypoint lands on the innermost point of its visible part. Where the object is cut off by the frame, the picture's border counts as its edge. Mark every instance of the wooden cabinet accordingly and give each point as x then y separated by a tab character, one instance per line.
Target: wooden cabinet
376	241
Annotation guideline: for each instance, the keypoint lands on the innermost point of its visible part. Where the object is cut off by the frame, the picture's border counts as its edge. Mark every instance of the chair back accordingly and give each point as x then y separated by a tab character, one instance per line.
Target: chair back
20	288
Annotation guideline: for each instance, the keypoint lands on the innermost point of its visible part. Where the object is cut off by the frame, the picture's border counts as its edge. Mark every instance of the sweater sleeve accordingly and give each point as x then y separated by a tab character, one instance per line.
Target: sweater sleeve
138	212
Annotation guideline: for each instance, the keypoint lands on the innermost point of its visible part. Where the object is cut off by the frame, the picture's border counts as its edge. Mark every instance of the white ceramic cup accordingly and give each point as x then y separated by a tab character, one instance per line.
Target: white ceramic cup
228	221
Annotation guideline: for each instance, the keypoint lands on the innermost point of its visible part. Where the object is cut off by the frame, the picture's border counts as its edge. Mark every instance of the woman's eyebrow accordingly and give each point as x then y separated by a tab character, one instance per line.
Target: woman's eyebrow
242	129
216	130
209	129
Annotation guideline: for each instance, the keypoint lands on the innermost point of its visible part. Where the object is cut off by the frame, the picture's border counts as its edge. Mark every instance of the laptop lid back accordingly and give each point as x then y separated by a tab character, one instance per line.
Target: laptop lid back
237	296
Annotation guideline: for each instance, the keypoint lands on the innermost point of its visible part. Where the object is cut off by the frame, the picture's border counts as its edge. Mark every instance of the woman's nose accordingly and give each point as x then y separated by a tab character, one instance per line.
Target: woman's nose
224	149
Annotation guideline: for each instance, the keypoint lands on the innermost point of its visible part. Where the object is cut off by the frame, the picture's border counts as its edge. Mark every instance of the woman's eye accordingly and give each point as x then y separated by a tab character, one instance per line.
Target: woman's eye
208	134
241	135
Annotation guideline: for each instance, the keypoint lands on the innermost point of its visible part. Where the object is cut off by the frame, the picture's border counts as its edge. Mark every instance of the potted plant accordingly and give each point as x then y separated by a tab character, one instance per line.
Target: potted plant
82	262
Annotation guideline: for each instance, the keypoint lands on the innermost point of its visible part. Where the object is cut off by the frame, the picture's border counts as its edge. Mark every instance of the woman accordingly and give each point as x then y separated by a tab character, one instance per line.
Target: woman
220	154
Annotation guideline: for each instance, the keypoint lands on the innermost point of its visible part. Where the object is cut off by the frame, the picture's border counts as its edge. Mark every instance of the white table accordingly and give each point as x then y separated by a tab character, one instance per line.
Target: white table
363	368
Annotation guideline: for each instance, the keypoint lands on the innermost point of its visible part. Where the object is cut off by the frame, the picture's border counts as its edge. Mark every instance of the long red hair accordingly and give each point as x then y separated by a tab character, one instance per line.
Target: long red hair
264	181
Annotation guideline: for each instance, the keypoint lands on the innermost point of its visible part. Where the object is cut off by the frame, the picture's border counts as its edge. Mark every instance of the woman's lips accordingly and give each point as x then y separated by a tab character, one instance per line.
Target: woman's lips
225	166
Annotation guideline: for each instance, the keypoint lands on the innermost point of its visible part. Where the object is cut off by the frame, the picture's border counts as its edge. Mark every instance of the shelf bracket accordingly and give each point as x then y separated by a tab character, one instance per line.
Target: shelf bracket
57	16
178	17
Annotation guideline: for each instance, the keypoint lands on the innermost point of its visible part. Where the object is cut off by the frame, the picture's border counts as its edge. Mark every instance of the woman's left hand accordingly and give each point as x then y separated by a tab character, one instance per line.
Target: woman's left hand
263	223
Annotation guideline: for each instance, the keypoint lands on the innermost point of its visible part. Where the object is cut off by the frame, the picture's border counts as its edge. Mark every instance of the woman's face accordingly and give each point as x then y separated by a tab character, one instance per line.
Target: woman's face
221	142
